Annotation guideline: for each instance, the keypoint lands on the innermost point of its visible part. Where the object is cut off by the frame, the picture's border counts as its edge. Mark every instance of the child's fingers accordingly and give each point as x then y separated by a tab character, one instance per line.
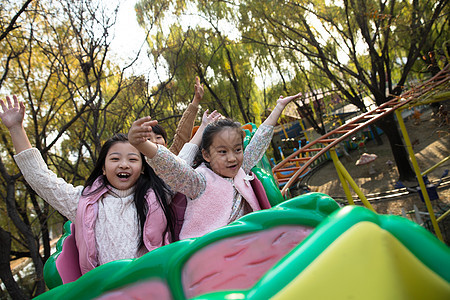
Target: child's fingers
216	115
295	96
150	123
143	125
141	130
197	85
11	104
22	108
16	101
8	100
289	98
2	103
141	121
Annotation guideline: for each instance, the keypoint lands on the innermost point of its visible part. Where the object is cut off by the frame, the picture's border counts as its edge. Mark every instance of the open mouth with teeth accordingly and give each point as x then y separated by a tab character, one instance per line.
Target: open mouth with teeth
123	175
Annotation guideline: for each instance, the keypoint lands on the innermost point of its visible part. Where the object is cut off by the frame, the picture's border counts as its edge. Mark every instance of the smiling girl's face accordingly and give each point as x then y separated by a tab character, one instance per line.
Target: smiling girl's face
123	165
226	152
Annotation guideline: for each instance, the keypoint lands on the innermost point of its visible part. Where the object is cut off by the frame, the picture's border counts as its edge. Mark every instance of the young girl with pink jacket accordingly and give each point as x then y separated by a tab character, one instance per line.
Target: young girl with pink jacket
121	212
218	190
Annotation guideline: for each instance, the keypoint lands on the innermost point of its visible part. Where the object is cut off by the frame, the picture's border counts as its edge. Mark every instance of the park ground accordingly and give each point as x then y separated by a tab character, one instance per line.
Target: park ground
431	144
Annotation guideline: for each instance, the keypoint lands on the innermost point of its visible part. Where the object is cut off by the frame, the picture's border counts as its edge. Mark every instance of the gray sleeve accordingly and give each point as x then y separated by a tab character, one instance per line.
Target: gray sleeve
176	173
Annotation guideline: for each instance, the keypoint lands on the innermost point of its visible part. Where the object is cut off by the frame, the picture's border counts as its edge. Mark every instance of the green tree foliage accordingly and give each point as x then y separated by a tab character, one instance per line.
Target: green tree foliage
205	50
367	43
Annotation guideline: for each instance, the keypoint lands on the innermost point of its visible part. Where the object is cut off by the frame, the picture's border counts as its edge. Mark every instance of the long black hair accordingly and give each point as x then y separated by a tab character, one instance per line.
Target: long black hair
211	130
147	180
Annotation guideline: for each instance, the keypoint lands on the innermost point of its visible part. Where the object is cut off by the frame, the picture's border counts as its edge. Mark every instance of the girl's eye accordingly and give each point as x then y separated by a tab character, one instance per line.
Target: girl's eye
238	150
114	158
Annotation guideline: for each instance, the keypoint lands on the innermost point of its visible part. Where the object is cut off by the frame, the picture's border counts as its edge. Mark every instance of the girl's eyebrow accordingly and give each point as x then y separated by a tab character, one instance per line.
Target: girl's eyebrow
118	153
114	153
225	146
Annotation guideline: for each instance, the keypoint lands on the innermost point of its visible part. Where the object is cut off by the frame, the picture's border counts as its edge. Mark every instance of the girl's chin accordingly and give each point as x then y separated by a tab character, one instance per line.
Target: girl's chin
232	172
227	174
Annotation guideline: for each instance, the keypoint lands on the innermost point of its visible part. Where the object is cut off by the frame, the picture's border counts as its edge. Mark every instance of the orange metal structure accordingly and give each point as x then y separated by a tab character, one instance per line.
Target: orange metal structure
329	140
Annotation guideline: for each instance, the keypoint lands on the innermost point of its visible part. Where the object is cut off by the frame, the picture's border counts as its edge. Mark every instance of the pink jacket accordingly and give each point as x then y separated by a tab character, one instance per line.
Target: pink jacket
87	211
213	208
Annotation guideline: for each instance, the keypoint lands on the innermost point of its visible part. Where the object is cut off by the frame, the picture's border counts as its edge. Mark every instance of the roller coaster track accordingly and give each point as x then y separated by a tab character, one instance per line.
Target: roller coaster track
306	155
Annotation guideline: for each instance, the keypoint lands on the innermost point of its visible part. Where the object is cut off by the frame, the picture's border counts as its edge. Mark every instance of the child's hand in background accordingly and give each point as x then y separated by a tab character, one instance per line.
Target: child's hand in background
209	118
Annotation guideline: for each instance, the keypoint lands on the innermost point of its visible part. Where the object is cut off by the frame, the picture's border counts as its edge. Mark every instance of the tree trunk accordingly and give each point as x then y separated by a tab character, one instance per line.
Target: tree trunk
223	110
401	156
43	218
5	271
234	83
376	136
28	235
45	234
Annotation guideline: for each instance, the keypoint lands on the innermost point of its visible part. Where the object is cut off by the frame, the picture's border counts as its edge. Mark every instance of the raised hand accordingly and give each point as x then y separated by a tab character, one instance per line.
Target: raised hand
12	116
140	130
209	118
206	119
283	101
199	91
278	109
13	112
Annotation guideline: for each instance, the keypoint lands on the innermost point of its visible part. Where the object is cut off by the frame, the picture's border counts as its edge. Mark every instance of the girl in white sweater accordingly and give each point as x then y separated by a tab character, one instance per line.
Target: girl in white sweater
121	212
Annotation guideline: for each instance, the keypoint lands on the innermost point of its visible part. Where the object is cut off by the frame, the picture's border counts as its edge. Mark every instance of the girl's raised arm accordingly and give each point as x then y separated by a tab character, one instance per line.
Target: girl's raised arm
12	117
260	141
61	195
